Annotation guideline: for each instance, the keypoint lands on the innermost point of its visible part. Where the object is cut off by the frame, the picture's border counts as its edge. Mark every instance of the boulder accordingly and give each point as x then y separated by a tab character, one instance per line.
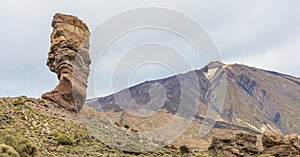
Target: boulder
242	144
69	59
270	139
292	139
282	151
275	145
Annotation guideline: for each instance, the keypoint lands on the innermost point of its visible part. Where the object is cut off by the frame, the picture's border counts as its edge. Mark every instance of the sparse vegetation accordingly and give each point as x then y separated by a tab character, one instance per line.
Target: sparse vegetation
64	140
38	128
201	155
18	101
126	126
184	149
23	146
8	151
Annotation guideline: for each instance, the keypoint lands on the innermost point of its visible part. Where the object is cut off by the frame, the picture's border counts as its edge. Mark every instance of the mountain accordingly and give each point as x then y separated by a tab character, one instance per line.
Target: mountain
223	96
38	127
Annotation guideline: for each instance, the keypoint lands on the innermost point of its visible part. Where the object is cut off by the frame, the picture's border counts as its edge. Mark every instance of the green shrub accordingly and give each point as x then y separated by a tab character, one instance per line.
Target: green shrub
126	126
53	135
132	148
23	146
19	101
184	149
8	151
64	140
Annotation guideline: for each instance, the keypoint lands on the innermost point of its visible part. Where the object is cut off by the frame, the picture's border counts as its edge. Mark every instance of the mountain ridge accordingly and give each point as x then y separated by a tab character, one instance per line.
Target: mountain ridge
250	88
269	71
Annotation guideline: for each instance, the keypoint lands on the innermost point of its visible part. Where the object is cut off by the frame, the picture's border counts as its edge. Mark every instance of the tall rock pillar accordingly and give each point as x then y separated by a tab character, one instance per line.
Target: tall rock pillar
69	59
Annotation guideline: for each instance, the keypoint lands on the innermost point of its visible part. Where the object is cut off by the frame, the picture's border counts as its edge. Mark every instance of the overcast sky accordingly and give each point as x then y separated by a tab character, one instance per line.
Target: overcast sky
264	34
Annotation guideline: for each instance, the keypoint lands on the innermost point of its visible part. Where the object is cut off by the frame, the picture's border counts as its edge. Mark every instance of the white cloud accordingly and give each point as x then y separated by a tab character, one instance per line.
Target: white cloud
282	58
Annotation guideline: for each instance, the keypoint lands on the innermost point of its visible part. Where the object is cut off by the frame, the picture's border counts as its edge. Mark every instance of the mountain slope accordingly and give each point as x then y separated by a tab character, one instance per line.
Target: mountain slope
233	95
263	100
36	127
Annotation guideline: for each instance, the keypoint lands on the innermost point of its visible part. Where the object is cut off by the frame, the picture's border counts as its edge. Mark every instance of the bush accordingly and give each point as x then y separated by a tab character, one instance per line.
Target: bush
53	135
132	148
64	140
19	101
23	146
8	151
126	126
184	149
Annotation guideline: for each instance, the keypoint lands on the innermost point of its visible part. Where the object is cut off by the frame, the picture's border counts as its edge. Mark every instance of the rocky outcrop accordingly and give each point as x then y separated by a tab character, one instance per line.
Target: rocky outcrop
242	144
271	139
274	145
246	144
292	139
69	59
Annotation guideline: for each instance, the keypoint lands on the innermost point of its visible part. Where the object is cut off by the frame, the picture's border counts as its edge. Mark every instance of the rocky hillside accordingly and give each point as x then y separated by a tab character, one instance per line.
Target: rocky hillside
35	127
236	96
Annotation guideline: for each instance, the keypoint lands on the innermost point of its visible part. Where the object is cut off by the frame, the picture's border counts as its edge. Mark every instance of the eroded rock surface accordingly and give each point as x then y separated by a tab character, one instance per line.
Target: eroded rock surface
274	145
69	59
271	139
242	144
246	145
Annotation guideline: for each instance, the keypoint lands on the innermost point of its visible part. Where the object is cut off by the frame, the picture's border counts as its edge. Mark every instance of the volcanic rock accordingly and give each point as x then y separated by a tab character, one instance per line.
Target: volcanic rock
274	145
242	144
292	139
282	151
248	97
270	139
69	59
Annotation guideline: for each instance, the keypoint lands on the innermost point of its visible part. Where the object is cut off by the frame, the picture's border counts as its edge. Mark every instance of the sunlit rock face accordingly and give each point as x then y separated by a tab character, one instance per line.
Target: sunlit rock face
69	59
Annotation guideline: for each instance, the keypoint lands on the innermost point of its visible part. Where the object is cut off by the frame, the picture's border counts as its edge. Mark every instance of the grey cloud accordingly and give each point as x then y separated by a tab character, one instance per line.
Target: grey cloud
242	30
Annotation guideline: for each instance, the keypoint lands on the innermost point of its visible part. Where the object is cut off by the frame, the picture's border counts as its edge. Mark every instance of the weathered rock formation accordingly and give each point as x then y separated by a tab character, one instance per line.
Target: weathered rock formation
247	144
242	144
271	139
69	59
274	145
